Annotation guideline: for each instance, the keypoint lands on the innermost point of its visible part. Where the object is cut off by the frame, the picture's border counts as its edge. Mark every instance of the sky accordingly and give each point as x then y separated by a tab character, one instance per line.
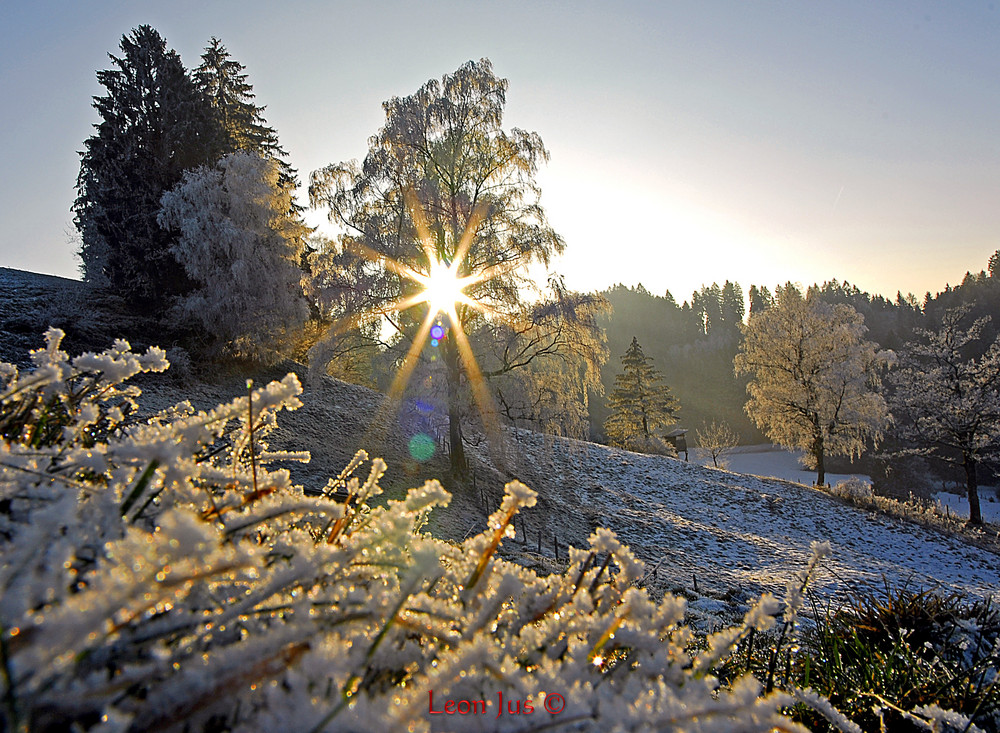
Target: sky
690	142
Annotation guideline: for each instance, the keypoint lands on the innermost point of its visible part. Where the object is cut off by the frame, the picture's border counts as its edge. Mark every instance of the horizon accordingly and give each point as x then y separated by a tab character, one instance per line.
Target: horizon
689	144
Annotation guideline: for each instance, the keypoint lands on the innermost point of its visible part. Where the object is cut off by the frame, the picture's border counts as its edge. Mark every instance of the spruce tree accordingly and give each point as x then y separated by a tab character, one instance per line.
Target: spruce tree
155	124
223	80
640	403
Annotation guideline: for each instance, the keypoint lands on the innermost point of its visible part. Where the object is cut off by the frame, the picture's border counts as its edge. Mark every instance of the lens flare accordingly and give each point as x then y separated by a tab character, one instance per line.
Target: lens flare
444	288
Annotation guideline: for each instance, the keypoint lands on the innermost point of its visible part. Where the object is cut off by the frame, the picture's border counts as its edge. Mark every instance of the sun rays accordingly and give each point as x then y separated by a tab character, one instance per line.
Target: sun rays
446	289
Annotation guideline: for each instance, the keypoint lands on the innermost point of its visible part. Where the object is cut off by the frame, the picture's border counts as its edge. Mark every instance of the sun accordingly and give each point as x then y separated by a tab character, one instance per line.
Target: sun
443	288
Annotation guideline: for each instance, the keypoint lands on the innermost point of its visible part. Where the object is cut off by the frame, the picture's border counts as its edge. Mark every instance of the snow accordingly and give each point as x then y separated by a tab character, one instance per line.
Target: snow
771	461
741	534
989	503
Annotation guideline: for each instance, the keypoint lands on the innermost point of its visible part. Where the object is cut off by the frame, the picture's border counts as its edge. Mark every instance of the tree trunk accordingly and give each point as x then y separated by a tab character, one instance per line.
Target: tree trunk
972	486
454	380
819	452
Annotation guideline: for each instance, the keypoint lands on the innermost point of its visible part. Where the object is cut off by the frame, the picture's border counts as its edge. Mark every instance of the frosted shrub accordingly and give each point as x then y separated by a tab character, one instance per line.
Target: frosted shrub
161	575
853	489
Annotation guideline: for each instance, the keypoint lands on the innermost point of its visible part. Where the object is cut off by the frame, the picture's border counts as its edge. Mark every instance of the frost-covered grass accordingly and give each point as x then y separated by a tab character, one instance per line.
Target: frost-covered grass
161	574
879	659
936	515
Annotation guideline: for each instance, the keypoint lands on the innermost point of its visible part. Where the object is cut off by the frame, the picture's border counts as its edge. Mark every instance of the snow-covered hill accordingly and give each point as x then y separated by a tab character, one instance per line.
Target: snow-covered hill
735	534
739	534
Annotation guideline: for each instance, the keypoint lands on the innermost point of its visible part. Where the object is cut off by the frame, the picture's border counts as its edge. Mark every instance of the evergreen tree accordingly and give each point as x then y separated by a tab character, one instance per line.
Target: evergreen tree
732	307
760	300
640	403
222	79
155	124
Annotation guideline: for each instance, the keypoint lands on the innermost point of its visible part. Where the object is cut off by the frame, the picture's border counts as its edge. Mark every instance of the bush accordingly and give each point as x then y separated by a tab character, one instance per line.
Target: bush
853	489
161	575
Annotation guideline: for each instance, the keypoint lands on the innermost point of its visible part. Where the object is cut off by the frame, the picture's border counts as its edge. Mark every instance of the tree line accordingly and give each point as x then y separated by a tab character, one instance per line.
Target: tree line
837	372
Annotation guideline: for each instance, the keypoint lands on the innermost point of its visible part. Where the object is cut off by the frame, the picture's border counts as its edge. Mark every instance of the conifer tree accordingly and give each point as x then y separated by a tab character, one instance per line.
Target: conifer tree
155	124
222	79
640	403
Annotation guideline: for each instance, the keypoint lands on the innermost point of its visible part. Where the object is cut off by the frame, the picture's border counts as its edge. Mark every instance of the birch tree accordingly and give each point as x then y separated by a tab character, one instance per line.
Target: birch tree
813	377
444	186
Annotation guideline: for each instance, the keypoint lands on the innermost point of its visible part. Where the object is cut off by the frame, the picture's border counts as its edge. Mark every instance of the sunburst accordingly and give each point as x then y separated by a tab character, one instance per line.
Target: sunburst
443	288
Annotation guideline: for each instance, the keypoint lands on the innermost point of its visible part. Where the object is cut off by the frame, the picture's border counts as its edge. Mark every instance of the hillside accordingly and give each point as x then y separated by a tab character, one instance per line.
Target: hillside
731	534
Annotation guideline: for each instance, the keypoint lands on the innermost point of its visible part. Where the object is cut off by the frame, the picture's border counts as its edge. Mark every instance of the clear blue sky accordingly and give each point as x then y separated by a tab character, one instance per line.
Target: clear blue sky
691	142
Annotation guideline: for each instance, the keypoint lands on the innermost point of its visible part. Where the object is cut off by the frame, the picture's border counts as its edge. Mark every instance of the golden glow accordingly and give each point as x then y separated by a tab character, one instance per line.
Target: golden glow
443	290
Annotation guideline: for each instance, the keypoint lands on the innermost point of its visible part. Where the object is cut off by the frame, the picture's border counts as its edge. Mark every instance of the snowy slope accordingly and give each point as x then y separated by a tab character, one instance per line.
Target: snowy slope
741	534
958	504
738	534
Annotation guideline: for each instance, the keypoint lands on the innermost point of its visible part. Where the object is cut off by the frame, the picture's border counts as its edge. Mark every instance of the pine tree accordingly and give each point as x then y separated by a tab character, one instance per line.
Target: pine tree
640	404
222	79
155	124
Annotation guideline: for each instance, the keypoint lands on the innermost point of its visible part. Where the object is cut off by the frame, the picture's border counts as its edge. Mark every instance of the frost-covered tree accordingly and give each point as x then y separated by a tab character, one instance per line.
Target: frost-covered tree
717	439
155	124
444	183
238	243
814	377
641	405
223	80
163	575
948	402
545	366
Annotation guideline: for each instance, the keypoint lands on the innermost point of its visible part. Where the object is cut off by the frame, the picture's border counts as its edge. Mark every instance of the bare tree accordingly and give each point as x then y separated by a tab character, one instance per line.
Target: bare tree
718	439
946	402
238	242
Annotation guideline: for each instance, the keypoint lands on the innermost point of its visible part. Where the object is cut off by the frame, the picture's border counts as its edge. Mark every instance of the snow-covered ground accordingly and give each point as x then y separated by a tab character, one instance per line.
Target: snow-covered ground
740	534
771	461
989	503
